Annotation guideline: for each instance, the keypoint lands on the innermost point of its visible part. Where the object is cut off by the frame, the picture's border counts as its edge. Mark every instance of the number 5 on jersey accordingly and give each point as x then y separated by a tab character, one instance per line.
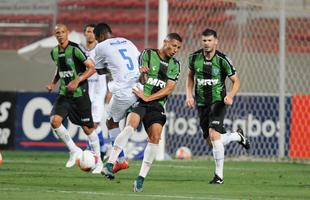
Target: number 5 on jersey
130	65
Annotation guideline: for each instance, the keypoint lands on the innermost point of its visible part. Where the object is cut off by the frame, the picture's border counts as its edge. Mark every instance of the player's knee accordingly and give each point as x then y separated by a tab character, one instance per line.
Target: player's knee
55	121
214	135
154	139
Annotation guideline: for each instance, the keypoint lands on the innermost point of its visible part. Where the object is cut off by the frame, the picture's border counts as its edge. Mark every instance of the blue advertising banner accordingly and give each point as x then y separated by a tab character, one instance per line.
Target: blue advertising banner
33	130
7	119
256	115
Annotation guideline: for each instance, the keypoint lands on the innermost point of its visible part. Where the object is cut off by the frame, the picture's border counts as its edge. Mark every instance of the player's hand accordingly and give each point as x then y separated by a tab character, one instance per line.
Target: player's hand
50	87
228	100
73	85
139	93
190	102
143	69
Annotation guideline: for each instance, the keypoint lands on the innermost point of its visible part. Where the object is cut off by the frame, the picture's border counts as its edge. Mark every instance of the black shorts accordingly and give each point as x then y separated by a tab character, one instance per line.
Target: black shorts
212	116
78	109
150	113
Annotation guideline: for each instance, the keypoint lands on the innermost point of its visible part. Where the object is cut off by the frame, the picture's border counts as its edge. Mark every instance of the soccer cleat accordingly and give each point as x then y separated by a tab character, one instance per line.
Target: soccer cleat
107	171
73	157
120	165
216	180
103	155
244	141
98	168
138	184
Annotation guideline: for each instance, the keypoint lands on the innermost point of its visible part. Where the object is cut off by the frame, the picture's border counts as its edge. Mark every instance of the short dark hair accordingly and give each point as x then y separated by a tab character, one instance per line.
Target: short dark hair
209	32
102	28
89	25
174	36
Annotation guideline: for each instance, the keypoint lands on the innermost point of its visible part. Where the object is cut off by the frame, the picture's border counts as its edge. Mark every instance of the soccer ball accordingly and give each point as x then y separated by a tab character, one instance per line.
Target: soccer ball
87	161
183	153
1	161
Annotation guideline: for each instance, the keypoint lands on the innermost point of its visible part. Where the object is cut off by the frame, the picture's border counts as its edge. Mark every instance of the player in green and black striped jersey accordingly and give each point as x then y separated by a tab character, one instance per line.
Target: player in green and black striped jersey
208	69
160	73
73	69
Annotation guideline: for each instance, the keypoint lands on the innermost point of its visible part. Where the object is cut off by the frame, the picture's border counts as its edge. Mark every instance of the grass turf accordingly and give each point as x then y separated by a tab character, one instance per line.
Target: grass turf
42	175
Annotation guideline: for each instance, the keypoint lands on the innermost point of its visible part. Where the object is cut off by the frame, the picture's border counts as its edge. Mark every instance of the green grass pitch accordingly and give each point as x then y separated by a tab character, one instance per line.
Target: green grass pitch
42	175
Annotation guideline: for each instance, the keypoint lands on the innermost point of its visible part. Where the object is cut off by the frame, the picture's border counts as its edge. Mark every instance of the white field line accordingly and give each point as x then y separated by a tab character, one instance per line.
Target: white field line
114	194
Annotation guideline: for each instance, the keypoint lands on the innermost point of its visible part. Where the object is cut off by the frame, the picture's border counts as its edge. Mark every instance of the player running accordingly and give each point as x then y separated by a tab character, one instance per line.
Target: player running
160	74
208	69
73	69
119	56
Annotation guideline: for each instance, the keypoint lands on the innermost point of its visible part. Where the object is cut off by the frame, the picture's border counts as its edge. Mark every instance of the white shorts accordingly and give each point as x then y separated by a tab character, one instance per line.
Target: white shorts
121	100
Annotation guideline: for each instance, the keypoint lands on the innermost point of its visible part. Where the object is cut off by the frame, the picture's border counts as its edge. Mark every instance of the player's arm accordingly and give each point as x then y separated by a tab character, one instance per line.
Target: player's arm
90	70
228	100
157	95
189	102
143	63
143	74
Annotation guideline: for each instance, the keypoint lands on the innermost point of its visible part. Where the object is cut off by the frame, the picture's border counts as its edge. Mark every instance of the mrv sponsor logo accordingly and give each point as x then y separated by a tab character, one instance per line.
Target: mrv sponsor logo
156	82
207	81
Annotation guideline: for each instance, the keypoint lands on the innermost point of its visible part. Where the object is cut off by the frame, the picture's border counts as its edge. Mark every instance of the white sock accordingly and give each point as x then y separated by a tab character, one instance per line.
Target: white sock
230	137
94	142
149	156
120	143
64	135
218	154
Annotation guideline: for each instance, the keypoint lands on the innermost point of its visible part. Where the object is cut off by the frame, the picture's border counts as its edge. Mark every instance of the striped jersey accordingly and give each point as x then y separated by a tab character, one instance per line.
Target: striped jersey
70	64
209	76
160	71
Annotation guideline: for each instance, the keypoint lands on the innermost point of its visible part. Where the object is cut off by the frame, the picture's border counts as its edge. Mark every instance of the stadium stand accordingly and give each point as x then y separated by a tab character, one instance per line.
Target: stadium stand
127	19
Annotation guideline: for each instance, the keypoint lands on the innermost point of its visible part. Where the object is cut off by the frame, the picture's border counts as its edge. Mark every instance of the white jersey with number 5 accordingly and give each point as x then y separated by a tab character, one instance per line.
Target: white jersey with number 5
121	57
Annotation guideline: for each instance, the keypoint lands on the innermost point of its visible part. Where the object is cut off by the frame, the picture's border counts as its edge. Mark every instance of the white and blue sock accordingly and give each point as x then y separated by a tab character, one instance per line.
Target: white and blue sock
113	133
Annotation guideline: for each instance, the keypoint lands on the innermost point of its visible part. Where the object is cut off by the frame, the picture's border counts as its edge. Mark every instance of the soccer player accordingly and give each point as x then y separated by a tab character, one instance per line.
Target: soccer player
73	69
119	56
97	89
160	72
208	69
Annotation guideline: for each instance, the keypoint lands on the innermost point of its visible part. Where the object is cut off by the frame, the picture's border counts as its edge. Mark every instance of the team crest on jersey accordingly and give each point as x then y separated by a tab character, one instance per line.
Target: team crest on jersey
69	61
215	71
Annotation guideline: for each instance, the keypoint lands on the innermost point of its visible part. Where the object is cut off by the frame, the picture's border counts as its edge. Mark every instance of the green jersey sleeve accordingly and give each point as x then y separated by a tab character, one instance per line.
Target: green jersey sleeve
191	62
144	58
79	54
174	71
228	67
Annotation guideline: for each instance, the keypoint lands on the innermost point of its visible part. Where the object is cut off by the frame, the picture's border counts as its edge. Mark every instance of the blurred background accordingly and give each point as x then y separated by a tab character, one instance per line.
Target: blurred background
268	42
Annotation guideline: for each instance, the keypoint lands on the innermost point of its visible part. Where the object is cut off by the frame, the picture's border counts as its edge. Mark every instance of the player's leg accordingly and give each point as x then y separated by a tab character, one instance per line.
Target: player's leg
216	118
133	120
81	115
114	131
59	112
97	109
117	109
218	155
150	152
153	122
237	136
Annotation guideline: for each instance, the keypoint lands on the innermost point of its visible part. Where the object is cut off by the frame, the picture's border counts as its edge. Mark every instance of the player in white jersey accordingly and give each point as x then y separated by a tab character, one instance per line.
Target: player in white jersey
97	89
120	57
